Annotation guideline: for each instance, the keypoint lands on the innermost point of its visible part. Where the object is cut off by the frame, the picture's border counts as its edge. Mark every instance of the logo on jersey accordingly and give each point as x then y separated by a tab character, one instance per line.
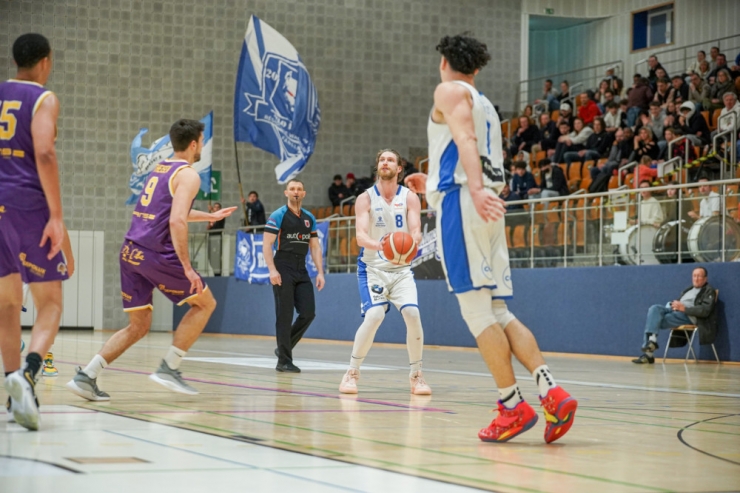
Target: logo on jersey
380	223
307	223
507	277
486	269
492	173
62	268
377	289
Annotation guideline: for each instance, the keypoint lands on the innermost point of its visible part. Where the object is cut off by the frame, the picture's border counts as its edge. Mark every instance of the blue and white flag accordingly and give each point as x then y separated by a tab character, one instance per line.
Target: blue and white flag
249	263
322	229
143	159
276	107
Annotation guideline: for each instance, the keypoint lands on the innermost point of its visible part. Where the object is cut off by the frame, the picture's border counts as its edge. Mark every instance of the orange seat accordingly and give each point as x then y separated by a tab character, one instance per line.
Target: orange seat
613	182
705	114
585	183
346	208
539	156
508	236
553	213
354	250
519	239
555	115
574	172
586	169
715	117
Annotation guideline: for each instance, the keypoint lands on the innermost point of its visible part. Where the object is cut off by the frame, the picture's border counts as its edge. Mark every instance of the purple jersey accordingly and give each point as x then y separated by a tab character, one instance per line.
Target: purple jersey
19	178
150	225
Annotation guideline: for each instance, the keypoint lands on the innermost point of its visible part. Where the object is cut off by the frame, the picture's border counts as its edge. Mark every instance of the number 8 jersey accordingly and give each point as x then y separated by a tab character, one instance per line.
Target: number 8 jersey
384	218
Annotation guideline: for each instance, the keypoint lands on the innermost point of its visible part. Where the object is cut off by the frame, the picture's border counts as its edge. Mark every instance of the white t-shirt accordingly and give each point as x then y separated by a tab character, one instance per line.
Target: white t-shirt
709	205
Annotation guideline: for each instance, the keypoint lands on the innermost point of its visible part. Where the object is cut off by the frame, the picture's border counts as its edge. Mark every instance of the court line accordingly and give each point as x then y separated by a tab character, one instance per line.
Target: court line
276	411
681	439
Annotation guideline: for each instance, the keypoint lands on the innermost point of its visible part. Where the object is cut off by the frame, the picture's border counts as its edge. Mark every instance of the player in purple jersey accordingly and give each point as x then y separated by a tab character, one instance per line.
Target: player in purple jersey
32	232
155	255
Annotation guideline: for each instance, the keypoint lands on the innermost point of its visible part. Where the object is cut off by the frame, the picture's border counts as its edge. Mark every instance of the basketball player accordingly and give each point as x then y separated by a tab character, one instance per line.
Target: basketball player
31	227
155	254
383	209
466	175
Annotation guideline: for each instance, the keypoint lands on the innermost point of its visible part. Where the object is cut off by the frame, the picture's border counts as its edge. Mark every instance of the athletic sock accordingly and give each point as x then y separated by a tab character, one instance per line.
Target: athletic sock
355	362
544	379
95	366
174	357
33	363
414	367
510	396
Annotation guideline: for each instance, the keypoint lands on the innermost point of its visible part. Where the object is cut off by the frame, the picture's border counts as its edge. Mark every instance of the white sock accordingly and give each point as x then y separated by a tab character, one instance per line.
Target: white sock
544	379
510	396
174	357
653	338
414	367
365	335
95	366
414	337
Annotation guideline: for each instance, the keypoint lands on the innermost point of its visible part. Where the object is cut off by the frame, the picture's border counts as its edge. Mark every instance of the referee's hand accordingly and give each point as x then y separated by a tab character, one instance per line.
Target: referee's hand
275	278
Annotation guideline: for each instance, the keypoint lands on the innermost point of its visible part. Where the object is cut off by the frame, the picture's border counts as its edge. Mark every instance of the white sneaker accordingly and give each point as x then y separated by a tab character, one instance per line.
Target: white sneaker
418	385
349	381
9	410
20	385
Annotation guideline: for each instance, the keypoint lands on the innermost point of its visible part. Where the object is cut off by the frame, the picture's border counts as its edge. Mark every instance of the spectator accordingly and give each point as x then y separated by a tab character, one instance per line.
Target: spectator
574	141
638	99
614	118
566	114
693	125
255	210
564	93
680	88
600	95
215	227
721	65
618	155
717	90
615	84
678	149
704	69
654	119
709	205
671	114
523	180
645	170
644	145
695	306
589	109
515	214
664	92
670	206
693	67
597	146
661	74
548	134
698	91
525	136
338	191
650	210
731	105
549	95
552	182
352	185
713	54
654	65
528	111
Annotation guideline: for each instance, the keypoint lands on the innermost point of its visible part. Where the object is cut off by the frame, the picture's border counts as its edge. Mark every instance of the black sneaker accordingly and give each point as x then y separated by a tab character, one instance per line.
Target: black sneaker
287	368
644	359
650	347
277	353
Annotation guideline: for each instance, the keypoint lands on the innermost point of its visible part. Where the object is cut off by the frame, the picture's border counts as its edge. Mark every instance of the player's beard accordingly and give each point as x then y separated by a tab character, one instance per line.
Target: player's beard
389	175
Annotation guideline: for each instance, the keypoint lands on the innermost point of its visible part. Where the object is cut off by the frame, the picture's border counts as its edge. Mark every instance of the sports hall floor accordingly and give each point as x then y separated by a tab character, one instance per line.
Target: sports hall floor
660	428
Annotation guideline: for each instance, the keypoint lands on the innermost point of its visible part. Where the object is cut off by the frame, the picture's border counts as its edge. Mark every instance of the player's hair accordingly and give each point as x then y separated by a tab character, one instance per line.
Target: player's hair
29	49
380	153
463	53
294	180
183	132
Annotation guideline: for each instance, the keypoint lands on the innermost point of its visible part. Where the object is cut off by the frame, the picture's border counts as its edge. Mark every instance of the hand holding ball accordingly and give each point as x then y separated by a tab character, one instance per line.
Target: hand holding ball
399	248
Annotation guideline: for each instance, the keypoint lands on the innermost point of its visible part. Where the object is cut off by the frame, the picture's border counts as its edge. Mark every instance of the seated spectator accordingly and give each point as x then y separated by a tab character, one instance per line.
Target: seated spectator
566	114
638	99
615	84
552	182
655	66
650	210
731	106
693	67
614	118
618	156
522	181
678	149
695	306
644	145
680	88
564	92
255	210
704	70
664	92
600	93
654	119
661	74
645	170
526	135
723	84
709	205
550	96
698	90
338	191
721	65
549	135
352	184
215	227
693	125
597	146
574	141
670	205
589	109
528	111
515	213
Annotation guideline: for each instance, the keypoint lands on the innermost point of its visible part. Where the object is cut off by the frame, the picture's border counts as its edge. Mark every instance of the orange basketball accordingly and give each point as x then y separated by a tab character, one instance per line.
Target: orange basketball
399	248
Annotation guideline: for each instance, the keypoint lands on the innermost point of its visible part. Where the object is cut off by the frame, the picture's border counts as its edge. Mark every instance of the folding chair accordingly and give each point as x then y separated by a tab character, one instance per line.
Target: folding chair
693	329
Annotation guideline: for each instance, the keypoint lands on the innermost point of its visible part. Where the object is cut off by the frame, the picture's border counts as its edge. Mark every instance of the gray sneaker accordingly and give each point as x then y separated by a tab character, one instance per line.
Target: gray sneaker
172	379
86	387
20	385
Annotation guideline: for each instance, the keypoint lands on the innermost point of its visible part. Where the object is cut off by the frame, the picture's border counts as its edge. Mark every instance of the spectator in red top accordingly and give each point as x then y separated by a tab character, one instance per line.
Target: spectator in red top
589	109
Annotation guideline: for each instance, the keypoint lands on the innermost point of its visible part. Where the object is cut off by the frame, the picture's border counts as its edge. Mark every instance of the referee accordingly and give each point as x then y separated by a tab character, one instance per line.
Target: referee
295	231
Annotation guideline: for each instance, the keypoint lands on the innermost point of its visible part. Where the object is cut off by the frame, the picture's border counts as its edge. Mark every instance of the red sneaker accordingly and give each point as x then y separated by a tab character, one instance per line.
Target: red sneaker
509	423
560	411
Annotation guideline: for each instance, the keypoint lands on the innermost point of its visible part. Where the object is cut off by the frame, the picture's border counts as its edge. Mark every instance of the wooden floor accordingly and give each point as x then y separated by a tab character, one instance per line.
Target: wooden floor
661	428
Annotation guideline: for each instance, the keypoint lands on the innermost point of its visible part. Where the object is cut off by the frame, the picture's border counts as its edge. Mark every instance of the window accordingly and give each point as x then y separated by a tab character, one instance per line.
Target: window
652	27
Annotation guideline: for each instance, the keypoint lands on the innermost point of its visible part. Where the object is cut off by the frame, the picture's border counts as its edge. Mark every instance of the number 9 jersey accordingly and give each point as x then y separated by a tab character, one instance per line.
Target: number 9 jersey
385	218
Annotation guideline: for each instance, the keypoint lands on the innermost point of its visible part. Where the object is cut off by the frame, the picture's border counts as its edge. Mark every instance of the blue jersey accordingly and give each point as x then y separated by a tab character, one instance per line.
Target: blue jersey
293	231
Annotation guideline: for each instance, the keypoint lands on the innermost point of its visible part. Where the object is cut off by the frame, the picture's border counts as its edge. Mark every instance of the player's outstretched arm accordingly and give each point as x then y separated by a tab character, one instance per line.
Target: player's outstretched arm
413	216
200	216
185	185
362	224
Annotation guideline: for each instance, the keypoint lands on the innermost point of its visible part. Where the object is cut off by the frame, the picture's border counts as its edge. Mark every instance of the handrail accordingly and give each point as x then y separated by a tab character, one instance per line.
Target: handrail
565	225
572	96
552	76
679	139
733	137
683	48
662	166
425	160
625	167
341	204
714	148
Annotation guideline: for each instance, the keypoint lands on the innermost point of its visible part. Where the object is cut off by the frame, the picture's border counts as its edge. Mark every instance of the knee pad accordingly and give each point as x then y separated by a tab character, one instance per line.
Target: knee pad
502	313
476	310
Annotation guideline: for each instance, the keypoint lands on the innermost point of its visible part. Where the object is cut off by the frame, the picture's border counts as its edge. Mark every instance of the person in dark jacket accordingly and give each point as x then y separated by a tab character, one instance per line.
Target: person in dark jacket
526	135
693	124
338	191
523	180
638	99
549	133
598	145
552	182
695	306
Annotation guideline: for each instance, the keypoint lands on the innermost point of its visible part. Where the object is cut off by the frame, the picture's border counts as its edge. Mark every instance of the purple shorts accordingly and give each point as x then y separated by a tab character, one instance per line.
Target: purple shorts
20	235
142	270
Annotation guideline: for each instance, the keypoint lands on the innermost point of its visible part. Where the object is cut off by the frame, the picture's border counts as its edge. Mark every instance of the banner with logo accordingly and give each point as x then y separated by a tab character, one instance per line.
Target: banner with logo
276	107
426	265
323	231
215	192
249	263
143	159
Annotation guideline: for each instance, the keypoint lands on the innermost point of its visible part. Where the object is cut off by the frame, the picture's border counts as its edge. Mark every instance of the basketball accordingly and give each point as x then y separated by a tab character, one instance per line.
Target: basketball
399	248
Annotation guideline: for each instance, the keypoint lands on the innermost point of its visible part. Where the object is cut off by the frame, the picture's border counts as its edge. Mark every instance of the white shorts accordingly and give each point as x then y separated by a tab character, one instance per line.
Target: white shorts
473	252
379	287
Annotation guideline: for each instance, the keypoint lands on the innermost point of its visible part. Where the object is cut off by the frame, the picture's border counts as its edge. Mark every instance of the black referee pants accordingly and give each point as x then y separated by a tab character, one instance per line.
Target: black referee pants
296	292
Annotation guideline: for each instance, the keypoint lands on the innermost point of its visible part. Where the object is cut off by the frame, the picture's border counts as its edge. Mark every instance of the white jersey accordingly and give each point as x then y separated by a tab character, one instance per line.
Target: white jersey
445	170
385	218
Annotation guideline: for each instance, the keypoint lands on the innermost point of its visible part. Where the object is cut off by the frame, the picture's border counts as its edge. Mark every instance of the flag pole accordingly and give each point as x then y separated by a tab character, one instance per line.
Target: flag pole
241	190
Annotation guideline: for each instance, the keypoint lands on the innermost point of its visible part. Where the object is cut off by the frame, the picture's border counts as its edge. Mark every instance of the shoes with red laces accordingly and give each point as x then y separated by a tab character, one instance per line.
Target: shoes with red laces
509	423
560	411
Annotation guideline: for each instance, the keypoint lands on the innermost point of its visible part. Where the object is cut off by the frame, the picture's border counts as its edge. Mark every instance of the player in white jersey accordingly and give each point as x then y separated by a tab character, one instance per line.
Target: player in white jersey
465	178
386	208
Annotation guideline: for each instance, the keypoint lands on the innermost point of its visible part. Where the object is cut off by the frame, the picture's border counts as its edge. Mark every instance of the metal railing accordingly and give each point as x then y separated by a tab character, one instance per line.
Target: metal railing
732	132
676	60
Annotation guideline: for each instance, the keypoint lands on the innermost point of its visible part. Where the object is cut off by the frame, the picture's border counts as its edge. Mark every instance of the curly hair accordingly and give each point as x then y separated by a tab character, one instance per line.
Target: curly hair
463	53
